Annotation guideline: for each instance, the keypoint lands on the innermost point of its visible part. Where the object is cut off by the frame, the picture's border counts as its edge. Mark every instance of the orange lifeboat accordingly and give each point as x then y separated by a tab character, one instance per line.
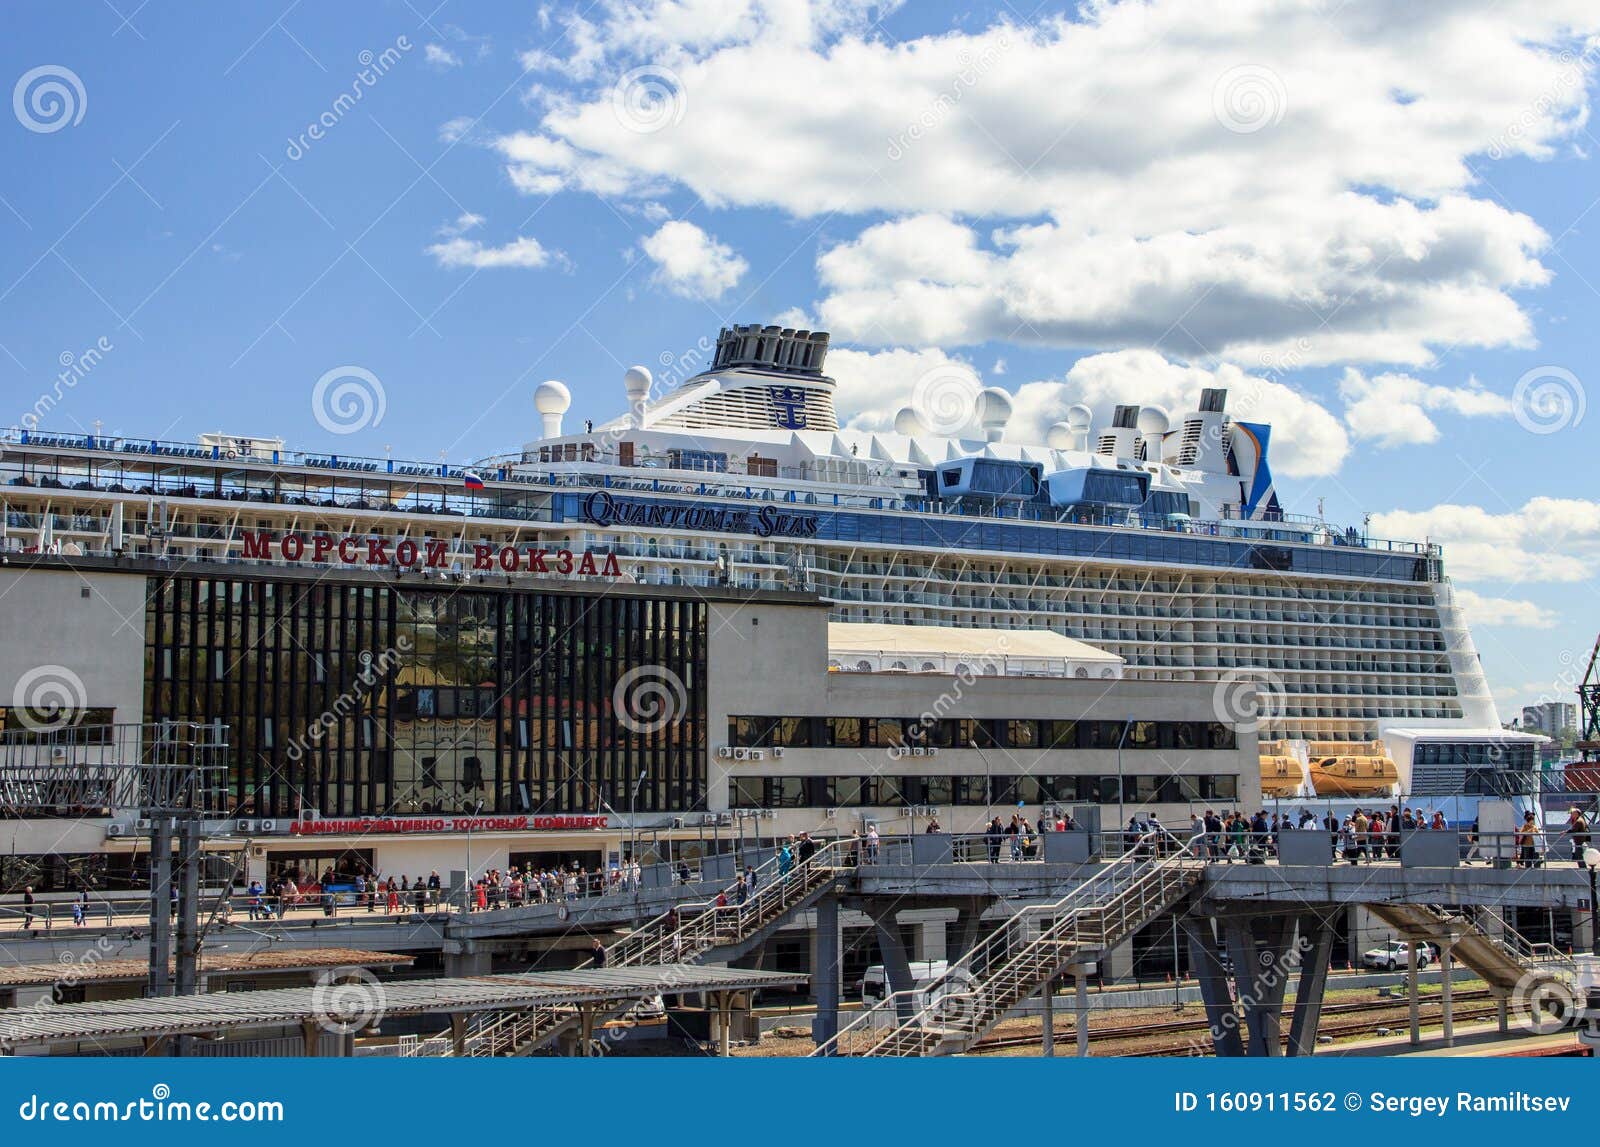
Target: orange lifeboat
1351	770
1281	775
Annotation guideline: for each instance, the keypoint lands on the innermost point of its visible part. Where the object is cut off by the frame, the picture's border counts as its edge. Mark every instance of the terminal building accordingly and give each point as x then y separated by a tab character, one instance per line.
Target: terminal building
402	721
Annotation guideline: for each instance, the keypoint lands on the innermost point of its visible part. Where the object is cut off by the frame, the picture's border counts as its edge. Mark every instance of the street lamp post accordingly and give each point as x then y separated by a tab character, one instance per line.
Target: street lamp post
1122	817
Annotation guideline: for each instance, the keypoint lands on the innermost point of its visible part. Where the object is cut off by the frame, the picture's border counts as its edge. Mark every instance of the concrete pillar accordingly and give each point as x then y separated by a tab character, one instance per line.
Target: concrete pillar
311	1035
930	940
827	956
1259	950
473	963
1205	959
1411	995
724	1022
1117	965
458	1034
1047	995
1502	1013
1317	932
896	965
968	928
1447	969
1080	984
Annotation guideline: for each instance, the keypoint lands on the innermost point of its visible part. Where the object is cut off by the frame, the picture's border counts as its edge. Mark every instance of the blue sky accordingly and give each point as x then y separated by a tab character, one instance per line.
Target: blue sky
1370	225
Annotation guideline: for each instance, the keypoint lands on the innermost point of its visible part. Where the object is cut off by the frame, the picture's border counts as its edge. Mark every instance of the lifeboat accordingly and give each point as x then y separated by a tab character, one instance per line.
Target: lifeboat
1352	770
1281	774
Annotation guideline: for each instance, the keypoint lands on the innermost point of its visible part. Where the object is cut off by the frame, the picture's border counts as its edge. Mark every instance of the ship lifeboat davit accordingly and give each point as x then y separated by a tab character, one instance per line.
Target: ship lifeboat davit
1353	776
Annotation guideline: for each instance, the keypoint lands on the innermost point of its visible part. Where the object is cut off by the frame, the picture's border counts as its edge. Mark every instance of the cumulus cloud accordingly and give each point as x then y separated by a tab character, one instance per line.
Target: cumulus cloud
1545	540
1393	409
1308	440
1483	611
691	263
1146	202
440	56
456	250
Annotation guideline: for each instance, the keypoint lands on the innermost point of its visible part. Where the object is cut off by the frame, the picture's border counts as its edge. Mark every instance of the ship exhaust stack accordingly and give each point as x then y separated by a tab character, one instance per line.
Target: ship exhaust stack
1121	438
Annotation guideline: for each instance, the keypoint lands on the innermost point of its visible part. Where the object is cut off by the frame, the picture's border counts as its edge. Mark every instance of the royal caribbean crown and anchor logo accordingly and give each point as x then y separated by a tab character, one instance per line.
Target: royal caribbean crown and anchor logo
789	406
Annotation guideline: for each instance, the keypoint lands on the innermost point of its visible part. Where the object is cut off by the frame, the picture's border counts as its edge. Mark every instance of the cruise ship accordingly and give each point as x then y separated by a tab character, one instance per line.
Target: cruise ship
1157	539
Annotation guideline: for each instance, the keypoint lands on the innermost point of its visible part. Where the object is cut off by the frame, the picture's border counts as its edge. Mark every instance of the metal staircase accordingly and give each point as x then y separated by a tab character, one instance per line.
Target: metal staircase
686	935
1507	962
1023	955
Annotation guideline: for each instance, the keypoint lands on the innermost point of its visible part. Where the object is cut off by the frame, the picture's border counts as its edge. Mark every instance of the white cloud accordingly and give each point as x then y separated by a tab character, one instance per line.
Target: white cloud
1546	540
440	56
1392	409
1483	612
691	263
1308	440
455	129
1120	211
455	250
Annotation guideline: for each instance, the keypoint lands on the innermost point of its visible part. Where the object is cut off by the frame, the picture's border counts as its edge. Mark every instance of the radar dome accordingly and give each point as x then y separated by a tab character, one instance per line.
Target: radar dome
909	423
552	399
636	381
1059	437
1153	420
1079	416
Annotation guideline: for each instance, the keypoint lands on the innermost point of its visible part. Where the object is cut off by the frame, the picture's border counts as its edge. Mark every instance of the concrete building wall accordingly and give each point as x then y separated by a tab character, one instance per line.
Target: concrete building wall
83	629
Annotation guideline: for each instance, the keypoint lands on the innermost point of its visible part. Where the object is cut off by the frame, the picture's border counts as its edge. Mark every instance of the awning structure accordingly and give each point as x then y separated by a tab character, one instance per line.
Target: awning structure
289	1007
91	971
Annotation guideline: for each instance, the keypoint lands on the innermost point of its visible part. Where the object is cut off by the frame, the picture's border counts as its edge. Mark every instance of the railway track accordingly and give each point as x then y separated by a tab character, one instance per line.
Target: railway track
1373	1010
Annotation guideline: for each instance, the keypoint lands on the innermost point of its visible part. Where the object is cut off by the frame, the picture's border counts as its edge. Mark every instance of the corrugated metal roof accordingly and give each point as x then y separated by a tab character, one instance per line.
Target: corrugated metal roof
281	1007
92	971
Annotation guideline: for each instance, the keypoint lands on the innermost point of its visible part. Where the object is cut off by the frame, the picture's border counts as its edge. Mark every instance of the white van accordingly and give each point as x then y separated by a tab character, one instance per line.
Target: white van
875	983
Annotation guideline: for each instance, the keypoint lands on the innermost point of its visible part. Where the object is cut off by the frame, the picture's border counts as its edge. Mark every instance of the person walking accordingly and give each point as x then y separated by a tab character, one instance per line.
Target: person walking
1578	833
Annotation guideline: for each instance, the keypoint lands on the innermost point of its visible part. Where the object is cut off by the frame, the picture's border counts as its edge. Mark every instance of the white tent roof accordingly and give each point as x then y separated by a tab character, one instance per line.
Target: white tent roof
861	637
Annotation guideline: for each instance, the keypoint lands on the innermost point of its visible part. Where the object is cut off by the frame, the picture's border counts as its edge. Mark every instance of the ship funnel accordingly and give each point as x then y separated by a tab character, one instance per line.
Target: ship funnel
1121	438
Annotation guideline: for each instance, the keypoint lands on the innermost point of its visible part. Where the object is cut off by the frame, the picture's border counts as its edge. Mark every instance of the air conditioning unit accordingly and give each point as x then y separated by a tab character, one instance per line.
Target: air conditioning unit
245	826
831	813
113	831
932	751
268	826
777	752
726	752
919	750
724	818
741	754
142	824
928	810
758	754
677	822
769	814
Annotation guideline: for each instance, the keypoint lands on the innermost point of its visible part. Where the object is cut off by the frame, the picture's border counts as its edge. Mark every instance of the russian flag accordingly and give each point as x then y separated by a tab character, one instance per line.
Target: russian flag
471	481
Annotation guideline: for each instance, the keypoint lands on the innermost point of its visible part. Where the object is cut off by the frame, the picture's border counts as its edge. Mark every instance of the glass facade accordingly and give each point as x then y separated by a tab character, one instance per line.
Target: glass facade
985	732
366	698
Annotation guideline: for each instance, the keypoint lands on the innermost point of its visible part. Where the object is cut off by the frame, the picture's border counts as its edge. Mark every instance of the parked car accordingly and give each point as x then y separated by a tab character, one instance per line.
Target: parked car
1393	956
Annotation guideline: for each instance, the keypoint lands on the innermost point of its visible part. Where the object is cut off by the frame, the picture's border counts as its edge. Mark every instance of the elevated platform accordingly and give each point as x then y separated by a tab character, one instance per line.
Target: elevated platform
153	1020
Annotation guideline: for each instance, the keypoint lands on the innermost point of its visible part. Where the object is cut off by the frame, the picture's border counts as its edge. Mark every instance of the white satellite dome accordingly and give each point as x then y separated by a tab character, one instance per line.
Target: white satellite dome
1153	420
1059	437
637	381
552	399
1079	416
908	422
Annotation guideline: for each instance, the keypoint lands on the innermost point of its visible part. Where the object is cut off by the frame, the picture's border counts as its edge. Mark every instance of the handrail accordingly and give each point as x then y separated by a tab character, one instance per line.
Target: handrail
998	957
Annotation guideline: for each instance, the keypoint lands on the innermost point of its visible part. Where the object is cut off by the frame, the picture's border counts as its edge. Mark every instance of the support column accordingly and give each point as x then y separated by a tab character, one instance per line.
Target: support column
1081	991
160	907
458	1034
1205	958
825	970
1502	1013
724	1022
1411	994
896	964
1047	995
1447	975
311	1033
1318	932
1258	949
968	927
